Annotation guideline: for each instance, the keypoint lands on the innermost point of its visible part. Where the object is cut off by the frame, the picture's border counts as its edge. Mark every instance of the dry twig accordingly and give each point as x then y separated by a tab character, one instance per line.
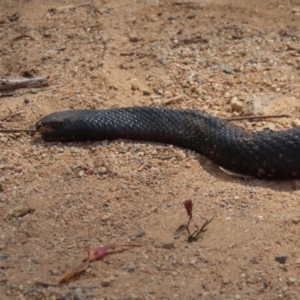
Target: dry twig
127	53
23	36
193	5
12	84
256	117
17	130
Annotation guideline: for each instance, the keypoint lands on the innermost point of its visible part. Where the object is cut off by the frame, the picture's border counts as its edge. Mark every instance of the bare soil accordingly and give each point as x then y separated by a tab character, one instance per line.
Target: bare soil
226	57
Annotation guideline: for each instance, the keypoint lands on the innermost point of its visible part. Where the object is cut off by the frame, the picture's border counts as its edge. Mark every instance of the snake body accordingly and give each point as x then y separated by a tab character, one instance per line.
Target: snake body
260	154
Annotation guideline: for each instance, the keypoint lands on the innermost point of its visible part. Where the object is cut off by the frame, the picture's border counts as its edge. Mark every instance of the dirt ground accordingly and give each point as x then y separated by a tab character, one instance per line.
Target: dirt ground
228	58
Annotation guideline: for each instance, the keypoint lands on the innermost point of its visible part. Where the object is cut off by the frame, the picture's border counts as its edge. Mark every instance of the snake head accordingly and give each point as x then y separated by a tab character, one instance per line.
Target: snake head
50	128
59	126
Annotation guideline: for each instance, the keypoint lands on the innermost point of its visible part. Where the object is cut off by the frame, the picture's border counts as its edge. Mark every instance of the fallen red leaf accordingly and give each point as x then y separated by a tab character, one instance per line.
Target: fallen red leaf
98	253
93	254
188	204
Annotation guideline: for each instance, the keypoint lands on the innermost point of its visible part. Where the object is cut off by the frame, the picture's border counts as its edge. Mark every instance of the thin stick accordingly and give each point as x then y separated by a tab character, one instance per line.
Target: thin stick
127	53
184	3
11	84
23	36
17	130
256	117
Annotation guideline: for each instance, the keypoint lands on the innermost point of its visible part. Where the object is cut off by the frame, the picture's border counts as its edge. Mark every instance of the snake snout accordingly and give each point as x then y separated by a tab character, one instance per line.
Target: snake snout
50	127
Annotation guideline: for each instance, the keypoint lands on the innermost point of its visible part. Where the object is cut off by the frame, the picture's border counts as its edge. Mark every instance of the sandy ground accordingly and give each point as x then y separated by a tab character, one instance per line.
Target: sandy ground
228	58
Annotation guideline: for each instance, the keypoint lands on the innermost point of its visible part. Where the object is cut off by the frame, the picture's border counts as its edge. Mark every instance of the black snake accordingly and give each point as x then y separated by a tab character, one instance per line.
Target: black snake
261	154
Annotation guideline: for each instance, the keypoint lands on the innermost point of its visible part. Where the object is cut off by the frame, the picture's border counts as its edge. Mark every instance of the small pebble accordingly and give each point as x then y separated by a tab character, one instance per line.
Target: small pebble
290	281
188	165
35	261
52	51
3	257
181	155
131	268
19	211
296	123
269	126
236	105
168	245
133	37
78	294
172	17
140	234
158	90
102	170
228	69
135	87
226	280
105	218
146	93
281	258
214	67
106	282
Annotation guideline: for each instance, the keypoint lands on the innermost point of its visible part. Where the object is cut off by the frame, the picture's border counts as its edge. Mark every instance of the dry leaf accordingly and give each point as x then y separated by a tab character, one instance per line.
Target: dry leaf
188	204
93	254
